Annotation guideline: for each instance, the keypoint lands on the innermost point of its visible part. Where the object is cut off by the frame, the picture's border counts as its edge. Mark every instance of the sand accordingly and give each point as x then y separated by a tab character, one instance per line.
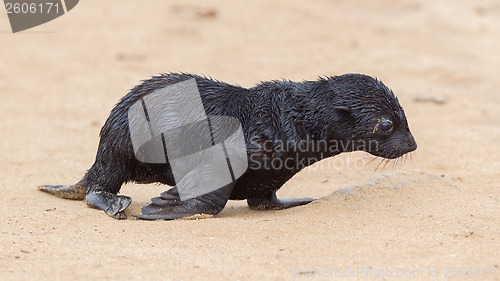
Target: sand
434	216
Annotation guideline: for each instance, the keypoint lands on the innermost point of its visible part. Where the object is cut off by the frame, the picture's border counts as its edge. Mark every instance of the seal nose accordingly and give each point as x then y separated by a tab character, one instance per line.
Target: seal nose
412	144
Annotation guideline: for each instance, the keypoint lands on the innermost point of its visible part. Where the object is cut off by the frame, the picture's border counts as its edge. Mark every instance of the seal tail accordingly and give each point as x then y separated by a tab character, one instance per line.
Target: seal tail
74	192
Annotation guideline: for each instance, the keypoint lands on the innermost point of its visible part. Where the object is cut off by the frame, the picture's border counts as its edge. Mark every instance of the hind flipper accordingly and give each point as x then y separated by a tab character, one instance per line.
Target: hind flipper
112	204
74	192
170	207
272	202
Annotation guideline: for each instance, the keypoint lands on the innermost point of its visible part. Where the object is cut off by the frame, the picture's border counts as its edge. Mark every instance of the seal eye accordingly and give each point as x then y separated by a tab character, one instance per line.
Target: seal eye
385	126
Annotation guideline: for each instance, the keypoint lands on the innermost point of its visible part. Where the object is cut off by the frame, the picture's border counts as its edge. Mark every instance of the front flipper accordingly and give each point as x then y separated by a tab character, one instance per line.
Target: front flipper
170	207
112	204
271	202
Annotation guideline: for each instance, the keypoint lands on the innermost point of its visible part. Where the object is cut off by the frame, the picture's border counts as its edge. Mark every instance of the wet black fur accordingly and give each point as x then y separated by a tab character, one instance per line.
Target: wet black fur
344	108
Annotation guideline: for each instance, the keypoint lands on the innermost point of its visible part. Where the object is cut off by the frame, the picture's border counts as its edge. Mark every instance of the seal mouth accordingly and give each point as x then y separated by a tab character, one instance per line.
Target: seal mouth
406	146
396	152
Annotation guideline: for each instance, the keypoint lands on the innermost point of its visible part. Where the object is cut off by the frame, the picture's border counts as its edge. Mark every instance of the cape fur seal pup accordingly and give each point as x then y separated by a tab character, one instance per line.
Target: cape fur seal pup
286	126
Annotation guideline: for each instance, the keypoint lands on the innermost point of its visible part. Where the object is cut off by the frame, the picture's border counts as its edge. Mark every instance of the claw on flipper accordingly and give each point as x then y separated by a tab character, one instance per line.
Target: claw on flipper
169	206
112	204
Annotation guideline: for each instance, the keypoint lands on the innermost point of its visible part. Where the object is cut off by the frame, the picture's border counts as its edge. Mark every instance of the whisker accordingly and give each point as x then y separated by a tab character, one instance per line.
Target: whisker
376	168
386	162
374	158
402	161
396	162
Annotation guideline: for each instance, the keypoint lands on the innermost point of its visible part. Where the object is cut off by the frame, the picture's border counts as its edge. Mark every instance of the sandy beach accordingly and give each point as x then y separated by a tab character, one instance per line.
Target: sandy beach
434	216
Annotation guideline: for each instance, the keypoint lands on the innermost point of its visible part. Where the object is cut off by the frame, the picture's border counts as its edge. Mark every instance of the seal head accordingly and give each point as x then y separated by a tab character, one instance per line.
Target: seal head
371	117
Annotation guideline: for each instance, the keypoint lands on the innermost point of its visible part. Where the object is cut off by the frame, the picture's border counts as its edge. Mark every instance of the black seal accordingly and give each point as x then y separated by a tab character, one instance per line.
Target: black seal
287	126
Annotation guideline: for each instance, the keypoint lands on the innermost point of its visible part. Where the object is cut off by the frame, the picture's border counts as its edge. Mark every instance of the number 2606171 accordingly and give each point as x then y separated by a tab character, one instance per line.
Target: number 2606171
32	8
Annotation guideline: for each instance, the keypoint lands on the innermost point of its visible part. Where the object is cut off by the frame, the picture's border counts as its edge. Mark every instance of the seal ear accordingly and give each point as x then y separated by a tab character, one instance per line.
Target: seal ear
301	131
343	108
